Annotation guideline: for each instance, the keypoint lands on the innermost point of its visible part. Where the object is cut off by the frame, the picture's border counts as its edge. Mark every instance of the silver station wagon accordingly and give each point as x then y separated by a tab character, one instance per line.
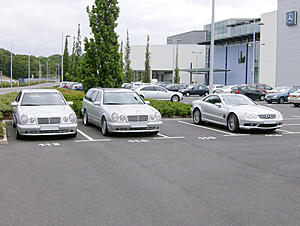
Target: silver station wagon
118	110
43	112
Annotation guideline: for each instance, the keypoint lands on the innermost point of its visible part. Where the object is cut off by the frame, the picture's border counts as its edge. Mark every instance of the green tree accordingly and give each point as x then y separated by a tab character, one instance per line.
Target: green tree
66	57
146	77
121	58
77	52
101	63
128	71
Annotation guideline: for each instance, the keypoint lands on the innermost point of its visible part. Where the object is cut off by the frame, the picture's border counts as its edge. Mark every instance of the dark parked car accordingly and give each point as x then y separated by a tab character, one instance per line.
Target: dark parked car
200	90
249	91
262	87
176	87
280	94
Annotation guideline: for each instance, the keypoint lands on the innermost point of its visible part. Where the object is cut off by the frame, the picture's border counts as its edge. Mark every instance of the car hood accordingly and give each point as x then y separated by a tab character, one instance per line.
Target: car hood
46	111
256	109
130	109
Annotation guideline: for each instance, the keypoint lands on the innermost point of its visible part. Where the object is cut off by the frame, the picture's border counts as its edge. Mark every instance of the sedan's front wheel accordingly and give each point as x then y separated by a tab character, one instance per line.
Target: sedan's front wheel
233	123
197	117
262	98
104	129
85	119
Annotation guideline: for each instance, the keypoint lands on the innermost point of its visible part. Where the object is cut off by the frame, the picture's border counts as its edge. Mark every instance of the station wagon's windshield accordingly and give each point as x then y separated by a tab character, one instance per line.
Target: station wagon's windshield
114	98
237	100
42	99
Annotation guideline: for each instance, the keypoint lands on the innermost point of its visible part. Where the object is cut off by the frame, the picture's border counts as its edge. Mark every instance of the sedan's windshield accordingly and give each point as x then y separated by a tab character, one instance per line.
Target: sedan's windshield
115	98
281	89
42	99
237	100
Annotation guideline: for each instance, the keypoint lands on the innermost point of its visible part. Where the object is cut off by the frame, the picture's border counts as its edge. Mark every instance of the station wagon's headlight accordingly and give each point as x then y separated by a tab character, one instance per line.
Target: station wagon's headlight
250	115
122	118
114	116
24	119
72	118
152	117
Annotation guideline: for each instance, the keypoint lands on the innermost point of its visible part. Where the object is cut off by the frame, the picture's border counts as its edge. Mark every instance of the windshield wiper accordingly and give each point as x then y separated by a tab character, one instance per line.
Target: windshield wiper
112	103
30	105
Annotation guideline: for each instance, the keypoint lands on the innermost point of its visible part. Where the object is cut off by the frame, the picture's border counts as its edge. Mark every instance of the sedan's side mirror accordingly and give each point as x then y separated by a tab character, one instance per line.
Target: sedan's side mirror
98	103
14	104
70	103
219	105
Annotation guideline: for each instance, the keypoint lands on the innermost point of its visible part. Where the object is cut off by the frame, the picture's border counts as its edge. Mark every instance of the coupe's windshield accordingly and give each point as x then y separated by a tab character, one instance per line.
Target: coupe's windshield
237	100
42	99
114	98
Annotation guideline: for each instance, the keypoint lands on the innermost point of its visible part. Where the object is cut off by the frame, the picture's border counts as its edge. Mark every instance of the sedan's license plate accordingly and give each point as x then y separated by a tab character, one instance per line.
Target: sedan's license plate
138	124
269	122
49	128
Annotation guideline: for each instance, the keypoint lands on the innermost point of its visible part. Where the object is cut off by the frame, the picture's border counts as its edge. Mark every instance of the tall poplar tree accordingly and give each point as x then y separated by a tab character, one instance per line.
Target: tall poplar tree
128	71
146	77
66	57
101	63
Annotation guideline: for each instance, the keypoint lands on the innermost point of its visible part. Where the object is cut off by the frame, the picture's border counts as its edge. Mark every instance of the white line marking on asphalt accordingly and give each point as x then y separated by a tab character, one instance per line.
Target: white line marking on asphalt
84	141
56	144
42	145
207	138
85	135
286	131
216	130
138	141
159	134
163	137
273	135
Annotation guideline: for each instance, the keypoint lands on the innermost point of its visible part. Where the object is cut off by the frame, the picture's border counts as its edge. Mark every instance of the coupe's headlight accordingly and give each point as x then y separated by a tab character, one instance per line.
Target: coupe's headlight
250	115
114	116
72	118
24	119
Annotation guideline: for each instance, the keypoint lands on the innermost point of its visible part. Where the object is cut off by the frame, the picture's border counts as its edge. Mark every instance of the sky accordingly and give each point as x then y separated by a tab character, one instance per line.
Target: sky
35	26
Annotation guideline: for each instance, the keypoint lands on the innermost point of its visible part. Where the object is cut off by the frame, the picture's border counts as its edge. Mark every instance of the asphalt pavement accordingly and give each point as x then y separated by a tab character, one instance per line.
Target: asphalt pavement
17	89
185	175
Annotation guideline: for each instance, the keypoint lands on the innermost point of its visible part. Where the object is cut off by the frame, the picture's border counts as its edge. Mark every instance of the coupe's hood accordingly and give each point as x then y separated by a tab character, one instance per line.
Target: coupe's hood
46	111
256	109
133	109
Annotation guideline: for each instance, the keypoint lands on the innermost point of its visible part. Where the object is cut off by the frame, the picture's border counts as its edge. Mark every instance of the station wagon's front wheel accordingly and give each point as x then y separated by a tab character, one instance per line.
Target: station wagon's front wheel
197	117
104	129
233	123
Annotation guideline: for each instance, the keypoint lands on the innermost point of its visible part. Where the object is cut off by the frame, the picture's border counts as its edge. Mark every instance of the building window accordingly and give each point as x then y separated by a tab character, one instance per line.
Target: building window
242	57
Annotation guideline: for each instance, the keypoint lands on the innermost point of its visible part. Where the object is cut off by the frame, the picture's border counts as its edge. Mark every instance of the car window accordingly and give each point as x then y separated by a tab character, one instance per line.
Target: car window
200	88
252	89
88	95
148	88
99	97
94	97
160	89
115	98
42	99
212	99
260	87
268	87
244	88
18	97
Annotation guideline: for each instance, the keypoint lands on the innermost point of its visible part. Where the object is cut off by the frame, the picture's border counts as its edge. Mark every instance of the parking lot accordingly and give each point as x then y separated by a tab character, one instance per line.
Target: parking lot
186	175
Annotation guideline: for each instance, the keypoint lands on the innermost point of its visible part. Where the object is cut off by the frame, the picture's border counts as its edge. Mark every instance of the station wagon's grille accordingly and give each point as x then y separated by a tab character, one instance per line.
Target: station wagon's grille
272	116
53	120
137	118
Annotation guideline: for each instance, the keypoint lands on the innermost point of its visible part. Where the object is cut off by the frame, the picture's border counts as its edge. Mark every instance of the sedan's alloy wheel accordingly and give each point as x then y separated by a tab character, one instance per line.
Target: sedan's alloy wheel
85	119
281	100
104	129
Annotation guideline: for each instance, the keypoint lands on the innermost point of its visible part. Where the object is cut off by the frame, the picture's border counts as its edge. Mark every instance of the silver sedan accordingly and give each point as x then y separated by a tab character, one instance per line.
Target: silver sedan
158	93
119	111
235	111
43	112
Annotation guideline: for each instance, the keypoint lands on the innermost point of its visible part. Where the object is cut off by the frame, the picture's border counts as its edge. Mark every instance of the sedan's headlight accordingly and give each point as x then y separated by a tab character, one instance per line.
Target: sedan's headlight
72	118
250	115
122	118
24	119
114	116
157	116
152	117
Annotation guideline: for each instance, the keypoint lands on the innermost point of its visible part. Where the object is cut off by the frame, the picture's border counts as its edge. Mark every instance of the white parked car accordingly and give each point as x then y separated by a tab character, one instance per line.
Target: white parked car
43	112
158	93
119	111
235	111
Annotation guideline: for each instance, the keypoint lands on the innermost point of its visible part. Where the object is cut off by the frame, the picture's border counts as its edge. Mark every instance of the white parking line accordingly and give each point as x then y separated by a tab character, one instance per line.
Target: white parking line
286	131
85	135
295	124
216	130
166	137
99	140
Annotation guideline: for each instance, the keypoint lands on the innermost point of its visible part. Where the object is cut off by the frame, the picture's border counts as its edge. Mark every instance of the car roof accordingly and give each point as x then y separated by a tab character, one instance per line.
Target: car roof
110	90
40	90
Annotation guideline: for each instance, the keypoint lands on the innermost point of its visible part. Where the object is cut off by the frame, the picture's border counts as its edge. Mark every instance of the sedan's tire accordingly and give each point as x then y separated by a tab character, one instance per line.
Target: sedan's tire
18	135
187	94
175	99
262	98
232	123
85	118
14	125
296	105
281	100
104	129
197	118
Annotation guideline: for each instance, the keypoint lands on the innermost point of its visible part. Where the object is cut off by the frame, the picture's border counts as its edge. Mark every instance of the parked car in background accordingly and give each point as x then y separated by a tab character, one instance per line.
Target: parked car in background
119	111
77	86
176	87
158	93
294	98
217	86
262	87
43	112
200	90
249	91
225	89
280	94
235	111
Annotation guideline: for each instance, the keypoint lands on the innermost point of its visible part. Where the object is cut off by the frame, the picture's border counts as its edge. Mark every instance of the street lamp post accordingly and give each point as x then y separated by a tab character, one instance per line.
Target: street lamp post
196	63
212	49
39	69
62	56
176	60
29	70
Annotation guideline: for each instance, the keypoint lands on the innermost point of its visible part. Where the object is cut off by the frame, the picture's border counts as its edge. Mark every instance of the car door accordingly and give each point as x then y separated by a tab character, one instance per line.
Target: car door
162	93
97	110
88	104
148	92
194	90
214	110
15	108
254	93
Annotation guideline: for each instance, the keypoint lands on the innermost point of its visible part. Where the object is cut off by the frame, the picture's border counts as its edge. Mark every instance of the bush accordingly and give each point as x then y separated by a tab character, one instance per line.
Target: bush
5	107
169	109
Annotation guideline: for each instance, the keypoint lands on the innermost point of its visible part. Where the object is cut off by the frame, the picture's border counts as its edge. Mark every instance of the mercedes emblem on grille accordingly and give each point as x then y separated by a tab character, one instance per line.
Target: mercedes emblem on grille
268	116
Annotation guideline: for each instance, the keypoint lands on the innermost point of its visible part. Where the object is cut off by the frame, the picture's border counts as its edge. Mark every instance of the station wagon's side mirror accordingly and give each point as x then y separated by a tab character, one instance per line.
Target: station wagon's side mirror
14	104
98	103
219	105
147	102
70	103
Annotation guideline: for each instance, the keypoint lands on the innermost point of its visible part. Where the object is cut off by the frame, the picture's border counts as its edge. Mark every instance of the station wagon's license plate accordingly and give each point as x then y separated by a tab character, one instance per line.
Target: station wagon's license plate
138	124
49	128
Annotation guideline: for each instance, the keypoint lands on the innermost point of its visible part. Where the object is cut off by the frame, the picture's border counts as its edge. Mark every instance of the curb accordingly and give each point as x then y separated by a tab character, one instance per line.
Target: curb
4	139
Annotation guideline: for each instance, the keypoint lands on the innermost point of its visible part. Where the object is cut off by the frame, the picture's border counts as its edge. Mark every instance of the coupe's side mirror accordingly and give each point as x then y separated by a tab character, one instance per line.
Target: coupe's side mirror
14	104
70	103
98	103
219	105
147	102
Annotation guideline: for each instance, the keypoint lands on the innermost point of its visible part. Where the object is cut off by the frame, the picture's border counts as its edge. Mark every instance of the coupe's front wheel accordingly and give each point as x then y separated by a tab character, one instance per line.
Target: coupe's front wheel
175	99
197	117
104	129
233	123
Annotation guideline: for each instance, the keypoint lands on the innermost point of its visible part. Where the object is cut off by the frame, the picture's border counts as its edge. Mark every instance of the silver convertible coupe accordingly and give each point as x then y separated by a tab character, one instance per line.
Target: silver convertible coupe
235	111
119	110
43	112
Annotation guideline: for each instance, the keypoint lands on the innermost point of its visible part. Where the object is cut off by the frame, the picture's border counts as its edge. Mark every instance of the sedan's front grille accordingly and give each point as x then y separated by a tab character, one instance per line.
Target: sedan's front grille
137	118
270	116
52	120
